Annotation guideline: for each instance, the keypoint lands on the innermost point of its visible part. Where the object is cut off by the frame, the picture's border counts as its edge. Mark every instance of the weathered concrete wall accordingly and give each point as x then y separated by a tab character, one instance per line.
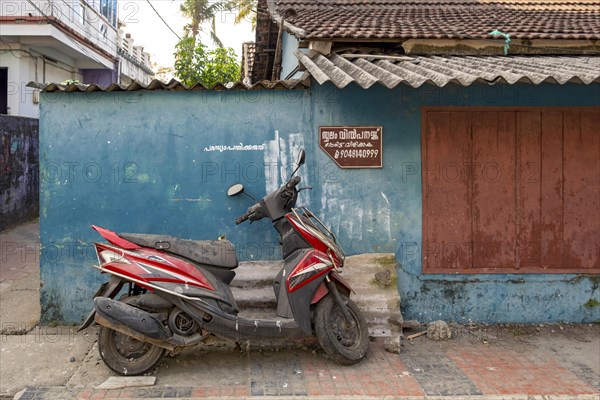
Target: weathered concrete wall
19	170
384	209
154	162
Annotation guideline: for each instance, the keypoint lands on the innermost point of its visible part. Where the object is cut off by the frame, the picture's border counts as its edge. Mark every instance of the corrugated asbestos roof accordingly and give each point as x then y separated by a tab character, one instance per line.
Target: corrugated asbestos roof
367	69
391	70
440	19
173	85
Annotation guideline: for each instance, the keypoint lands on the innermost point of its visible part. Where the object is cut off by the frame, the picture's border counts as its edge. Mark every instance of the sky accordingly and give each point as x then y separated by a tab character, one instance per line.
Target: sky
149	31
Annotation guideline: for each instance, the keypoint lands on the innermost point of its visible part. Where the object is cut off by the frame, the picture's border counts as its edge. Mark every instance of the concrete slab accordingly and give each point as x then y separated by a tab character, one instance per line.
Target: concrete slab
20	306
91	372
121	382
19	279
47	356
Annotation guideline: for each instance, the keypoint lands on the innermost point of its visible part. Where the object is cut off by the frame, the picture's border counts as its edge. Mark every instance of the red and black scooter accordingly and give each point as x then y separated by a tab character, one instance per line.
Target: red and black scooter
176	292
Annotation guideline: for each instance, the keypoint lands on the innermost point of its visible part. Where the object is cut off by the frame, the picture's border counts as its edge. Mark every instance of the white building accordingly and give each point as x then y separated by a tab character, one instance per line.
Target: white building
61	40
135	62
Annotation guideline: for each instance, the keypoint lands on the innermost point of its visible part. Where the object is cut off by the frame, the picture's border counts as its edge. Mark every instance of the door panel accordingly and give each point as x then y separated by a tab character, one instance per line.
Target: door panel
511	189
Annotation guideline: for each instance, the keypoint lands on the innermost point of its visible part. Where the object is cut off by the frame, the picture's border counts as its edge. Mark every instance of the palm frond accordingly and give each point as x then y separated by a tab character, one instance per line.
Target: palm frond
213	33
246	8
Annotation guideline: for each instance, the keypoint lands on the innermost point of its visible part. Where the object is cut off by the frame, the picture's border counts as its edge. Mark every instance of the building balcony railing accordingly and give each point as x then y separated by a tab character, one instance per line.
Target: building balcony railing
75	17
133	60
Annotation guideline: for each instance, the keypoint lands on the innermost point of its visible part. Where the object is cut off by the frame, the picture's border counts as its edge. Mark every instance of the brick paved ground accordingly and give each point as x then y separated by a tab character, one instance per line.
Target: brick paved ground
438	375
381	374
455	369
509	372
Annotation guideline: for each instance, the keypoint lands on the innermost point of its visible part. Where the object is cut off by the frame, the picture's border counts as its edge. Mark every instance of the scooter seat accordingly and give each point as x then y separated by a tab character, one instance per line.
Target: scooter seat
217	253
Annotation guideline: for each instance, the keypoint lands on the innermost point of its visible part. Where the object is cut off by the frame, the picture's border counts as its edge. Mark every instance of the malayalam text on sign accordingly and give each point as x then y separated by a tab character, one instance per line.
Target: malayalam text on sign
353	146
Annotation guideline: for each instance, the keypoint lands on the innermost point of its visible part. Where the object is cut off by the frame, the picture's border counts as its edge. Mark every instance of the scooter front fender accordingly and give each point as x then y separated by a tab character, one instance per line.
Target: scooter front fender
315	291
322	290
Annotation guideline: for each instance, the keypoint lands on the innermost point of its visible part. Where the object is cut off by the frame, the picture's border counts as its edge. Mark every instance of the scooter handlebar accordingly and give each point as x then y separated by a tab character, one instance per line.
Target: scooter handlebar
256	212
293	183
242	218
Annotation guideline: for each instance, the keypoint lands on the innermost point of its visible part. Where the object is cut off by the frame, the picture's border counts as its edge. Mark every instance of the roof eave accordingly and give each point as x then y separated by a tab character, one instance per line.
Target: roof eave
299	33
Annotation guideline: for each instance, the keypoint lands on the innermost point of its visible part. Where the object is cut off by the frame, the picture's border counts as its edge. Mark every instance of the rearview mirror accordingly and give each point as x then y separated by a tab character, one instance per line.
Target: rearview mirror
301	157
300	162
235	189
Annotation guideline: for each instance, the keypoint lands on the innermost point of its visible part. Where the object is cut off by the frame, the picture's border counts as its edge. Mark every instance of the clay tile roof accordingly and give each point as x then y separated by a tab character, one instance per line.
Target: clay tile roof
405	19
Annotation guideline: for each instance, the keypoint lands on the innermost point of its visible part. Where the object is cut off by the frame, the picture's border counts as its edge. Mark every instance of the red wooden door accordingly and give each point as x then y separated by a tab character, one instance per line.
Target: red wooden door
511	190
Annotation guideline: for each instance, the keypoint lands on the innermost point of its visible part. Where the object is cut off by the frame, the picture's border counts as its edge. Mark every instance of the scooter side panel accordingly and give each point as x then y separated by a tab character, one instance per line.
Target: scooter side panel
307	271
284	309
302	299
300	302
149	265
322	290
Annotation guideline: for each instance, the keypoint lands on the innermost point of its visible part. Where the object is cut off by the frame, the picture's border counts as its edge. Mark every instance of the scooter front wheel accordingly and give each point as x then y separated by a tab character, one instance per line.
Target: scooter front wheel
126	355
343	342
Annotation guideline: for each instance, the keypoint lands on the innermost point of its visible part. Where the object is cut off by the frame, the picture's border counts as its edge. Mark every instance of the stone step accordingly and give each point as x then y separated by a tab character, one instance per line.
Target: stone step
258	297
258	293
375	300
255	273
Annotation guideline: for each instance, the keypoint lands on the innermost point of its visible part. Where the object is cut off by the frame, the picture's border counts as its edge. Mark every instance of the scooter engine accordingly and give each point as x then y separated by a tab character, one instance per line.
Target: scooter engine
182	323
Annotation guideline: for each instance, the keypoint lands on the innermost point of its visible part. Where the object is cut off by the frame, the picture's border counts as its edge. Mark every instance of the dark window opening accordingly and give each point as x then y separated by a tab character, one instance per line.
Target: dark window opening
3	90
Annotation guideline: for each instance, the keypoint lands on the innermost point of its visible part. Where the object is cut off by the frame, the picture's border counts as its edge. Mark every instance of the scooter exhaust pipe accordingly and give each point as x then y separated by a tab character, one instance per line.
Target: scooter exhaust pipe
138	324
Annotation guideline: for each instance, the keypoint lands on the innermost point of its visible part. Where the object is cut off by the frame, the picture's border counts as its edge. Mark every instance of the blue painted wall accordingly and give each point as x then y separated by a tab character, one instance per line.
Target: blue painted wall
143	161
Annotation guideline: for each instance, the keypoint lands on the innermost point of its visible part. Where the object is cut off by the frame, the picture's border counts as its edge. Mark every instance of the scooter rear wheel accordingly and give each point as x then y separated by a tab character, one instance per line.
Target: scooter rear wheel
343	342
126	355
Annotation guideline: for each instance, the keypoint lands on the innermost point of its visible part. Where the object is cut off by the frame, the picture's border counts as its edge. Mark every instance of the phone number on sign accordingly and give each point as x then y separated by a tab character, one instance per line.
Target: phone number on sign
366	153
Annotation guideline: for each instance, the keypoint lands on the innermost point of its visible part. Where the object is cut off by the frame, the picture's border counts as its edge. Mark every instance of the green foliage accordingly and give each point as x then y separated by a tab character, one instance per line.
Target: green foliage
70	81
200	12
592	303
195	63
